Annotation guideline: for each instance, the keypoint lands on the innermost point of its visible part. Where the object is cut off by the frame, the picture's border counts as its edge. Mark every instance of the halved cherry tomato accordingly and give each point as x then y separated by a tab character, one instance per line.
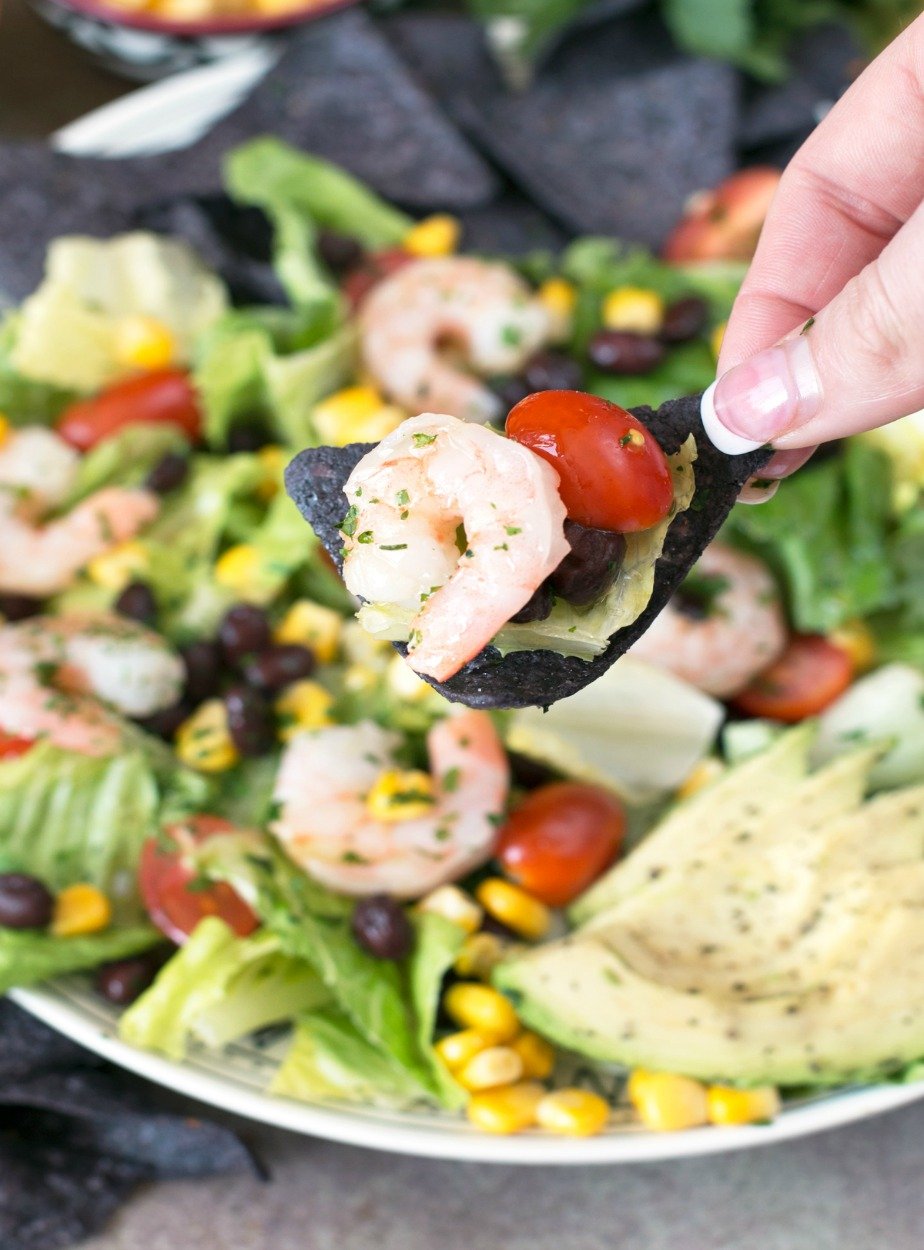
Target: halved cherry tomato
808	676
560	839
11	746
374	267
614	475
166	397
165	878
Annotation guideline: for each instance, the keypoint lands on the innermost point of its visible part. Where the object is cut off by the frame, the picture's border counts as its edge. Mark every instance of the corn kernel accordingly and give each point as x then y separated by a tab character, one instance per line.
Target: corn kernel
400	794
272	461
634	309
433	236
856	638
121	564
515	908
203	741
510	1109
359	678
457	1049
537	1055
6	428
479	956
716	337
704	774
404	683
497	1065
482	1007
727	1106
558	297
313	626
240	569
667	1103
357	414
302	706
143	342
80	908
455	905
573	1112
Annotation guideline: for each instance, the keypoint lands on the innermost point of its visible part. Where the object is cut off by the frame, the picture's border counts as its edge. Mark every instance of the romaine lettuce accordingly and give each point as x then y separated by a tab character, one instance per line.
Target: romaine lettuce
28	957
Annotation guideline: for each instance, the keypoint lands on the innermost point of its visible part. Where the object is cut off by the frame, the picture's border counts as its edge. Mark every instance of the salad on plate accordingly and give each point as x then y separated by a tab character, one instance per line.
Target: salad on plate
687	891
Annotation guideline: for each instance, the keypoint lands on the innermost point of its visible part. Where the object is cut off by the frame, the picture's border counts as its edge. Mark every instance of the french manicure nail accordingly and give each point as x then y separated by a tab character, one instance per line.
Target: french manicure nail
775	391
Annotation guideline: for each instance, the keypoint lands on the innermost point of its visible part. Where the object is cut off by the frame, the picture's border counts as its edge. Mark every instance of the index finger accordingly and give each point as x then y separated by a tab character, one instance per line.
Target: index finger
848	190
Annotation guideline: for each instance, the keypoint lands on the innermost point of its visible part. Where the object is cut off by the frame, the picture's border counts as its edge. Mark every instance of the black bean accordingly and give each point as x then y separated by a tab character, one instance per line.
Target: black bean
250	721
618	351
19	607
592	565
166	722
171	471
137	602
509	390
382	928
278	666
244	631
25	902
553	371
248	434
537	607
529	774
339	252
203	663
125	980
684	319
491	925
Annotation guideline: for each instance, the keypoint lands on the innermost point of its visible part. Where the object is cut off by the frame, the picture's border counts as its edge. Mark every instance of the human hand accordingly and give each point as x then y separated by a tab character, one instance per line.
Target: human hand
825	337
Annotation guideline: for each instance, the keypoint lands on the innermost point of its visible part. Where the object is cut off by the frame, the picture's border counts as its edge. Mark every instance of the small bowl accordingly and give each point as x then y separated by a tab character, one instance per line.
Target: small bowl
145	47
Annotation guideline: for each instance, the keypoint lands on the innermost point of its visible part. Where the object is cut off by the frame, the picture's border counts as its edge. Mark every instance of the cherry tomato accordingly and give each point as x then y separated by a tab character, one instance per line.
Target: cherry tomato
11	746
614	475
808	676
560	839
166	397
374	267
165	876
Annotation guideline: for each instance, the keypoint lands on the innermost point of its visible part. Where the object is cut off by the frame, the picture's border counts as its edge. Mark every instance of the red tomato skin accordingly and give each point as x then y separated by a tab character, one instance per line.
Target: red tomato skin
373	269
164	397
560	839
811	673
613	473
12	747
164	875
724	223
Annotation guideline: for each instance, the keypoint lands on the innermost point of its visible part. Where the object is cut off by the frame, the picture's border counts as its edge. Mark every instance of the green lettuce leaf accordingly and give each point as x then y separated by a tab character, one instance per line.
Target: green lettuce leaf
66	817
124	459
219	987
27	957
25	401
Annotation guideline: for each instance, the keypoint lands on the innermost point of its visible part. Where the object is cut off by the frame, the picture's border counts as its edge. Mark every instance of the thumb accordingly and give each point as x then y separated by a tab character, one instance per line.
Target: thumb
856	364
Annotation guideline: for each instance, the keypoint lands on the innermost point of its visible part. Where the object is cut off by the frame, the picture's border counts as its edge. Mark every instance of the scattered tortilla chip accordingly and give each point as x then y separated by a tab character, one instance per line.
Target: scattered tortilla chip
77	1138
315	481
614	135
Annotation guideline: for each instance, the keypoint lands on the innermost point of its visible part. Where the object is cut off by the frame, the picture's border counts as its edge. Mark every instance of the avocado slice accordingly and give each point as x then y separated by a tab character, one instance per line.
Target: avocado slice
784	948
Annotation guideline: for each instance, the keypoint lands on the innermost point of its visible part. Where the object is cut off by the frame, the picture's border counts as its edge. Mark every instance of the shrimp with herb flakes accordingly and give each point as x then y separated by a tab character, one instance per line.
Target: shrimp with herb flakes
722	628
352	820
455	527
431	330
114	660
37	473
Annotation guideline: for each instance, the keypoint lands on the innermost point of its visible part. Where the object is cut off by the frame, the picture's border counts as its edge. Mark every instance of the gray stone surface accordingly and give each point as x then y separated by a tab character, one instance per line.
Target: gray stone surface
857	1189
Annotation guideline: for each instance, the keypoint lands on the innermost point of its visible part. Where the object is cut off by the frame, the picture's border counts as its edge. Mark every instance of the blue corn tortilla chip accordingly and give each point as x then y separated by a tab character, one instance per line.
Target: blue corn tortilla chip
315	481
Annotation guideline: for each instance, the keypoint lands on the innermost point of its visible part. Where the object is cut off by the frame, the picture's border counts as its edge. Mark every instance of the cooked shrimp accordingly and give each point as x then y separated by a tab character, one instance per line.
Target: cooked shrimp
411	322
721	645
39	466
73	722
115	660
326	828
41	560
427	482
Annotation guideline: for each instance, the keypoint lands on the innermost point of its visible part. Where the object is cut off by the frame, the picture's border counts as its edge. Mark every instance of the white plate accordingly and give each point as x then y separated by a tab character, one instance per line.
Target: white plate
159	118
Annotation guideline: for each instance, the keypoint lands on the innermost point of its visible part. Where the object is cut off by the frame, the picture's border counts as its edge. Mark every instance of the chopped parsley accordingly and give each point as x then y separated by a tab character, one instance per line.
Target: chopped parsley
403	497
513	529
424	440
348	524
365	537
451	780
511	336
392	546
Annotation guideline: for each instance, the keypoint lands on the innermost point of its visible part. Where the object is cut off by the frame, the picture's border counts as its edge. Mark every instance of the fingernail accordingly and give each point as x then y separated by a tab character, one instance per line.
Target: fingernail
758	490
775	391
